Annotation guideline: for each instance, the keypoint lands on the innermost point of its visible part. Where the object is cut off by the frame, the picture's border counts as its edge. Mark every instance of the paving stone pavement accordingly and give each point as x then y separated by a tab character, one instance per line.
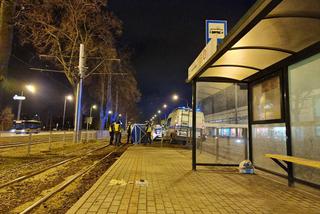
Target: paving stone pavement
160	180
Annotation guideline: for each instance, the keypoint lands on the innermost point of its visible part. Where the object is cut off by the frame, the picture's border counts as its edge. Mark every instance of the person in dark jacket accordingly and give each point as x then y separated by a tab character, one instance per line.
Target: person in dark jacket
117	133
148	132
129	131
111	132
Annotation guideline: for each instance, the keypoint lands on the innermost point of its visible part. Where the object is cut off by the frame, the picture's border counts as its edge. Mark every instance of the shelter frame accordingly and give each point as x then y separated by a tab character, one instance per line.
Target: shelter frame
261	11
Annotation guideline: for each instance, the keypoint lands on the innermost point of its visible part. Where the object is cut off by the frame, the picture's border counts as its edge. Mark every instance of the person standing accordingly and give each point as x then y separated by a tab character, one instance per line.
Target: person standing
129	130
148	133
111	132
117	133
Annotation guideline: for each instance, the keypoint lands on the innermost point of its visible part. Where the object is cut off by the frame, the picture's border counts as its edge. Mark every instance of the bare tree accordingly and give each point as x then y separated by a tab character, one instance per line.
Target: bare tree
7	11
58	27
108	83
6	118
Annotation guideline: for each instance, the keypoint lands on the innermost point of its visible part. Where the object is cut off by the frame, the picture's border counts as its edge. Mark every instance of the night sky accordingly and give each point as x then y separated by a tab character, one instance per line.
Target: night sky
165	37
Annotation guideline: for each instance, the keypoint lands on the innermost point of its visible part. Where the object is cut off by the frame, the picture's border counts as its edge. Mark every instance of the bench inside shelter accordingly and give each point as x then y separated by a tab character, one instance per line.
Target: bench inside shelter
292	160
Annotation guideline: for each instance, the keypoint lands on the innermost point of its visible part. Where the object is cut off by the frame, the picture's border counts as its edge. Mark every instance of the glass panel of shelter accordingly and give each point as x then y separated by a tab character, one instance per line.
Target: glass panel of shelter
268	121
222	136
304	89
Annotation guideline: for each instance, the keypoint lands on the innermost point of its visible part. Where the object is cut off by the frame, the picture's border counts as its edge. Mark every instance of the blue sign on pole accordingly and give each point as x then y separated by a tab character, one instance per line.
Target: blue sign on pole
216	29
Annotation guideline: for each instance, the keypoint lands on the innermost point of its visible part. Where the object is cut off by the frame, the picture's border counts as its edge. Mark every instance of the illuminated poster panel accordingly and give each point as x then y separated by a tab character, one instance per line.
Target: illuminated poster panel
267	100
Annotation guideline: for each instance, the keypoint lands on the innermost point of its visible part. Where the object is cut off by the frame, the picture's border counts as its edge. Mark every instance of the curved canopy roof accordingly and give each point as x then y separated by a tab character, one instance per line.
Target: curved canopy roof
272	30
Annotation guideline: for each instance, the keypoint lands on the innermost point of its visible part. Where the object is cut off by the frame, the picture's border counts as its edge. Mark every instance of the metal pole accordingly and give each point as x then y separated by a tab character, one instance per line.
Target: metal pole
236	102
29	144
50	140
194	124
64	112
126	120
88	123
77	118
19	107
117	101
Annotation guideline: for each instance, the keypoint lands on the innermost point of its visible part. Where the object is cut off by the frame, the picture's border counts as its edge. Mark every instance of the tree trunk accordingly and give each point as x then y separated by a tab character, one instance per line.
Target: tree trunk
103	112
7	11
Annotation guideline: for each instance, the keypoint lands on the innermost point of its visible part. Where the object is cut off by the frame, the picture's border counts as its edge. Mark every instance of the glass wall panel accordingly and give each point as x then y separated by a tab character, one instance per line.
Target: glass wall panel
304	96
267	100
224	132
268	139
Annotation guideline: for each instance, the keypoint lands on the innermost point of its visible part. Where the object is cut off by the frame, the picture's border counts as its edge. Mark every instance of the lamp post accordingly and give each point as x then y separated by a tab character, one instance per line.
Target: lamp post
90	119
20	98
69	98
165	106
175	97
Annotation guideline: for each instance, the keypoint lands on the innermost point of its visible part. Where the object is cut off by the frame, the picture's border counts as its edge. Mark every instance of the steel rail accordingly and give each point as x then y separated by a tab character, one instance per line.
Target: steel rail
42	161
37	172
64	184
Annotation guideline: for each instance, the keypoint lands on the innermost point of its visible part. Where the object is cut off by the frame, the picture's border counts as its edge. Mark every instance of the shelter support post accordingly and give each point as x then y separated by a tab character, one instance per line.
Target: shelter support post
250	123
288	124
194	124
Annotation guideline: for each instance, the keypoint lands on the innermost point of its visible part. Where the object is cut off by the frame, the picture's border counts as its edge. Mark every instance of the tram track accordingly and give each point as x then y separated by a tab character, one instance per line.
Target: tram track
38	186
65	183
51	161
37	172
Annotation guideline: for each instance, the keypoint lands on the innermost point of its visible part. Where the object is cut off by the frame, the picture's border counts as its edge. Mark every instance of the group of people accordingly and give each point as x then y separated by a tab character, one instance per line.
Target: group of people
115	133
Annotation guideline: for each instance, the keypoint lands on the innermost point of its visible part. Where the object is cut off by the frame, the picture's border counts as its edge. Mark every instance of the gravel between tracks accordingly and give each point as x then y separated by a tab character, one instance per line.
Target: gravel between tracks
16	197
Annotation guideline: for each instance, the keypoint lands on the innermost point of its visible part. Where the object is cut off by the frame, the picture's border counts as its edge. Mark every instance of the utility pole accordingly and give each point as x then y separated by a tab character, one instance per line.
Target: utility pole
19	107
64	112
117	100
77	117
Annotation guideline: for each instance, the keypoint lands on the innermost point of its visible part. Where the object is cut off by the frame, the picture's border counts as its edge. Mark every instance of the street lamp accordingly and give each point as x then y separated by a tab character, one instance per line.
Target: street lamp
175	97
165	113
69	98
159	111
90	117
30	88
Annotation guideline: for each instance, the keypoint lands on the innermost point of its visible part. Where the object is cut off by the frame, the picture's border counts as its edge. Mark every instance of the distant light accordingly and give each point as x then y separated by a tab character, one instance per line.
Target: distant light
17	97
155	115
31	88
110	112
165	106
69	97
94	106
120	115
175	97
159	111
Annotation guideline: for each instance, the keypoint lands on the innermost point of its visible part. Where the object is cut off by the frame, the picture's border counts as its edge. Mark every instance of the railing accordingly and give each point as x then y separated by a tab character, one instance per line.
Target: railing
12	140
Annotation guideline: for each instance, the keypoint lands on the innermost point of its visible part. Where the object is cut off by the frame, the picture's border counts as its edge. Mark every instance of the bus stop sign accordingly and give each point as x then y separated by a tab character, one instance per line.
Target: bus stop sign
216	29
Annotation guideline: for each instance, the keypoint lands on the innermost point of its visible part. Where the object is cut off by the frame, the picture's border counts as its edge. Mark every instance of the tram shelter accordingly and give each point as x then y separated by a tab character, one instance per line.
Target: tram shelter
259	90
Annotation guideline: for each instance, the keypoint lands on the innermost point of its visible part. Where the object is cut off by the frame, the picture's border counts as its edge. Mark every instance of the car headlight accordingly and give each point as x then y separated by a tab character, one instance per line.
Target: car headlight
12	130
